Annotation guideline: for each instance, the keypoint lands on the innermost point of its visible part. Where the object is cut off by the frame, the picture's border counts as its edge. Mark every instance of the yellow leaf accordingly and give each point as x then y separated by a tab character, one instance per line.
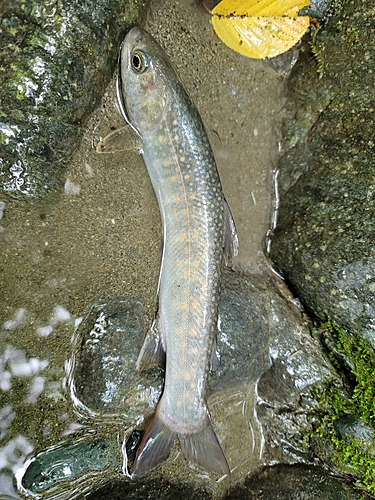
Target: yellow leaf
260	28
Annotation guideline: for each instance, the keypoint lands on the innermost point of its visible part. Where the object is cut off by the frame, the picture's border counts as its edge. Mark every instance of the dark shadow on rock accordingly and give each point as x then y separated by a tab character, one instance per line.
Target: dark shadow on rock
293	482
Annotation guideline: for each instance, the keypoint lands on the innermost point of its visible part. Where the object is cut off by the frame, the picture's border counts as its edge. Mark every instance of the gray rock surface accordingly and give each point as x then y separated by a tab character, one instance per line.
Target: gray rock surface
323	242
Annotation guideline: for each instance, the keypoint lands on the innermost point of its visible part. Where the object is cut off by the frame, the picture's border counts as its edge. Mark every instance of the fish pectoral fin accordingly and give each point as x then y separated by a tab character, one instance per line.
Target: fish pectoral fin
121	139
154	448
230	238
204	449
152	353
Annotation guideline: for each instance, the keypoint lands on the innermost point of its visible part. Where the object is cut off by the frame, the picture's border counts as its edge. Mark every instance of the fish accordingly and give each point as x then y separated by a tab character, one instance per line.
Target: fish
198	230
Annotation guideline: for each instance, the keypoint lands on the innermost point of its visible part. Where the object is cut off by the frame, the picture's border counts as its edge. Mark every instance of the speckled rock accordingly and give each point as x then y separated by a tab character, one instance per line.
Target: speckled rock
56	59
323	242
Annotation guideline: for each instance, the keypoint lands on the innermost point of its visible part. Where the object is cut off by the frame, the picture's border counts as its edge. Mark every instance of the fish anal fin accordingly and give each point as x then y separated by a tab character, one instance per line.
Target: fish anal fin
154	448
152	353
230	238
204	449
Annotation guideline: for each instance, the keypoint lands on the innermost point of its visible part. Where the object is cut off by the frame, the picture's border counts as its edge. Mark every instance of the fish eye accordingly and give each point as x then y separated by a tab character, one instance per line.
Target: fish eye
139	61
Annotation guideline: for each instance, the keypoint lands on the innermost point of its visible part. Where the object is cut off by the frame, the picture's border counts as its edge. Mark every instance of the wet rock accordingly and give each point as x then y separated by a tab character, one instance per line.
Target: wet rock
280	482
323	242
160	488
317	9
102	375
56	59
349	427
67	462
261	398
298	482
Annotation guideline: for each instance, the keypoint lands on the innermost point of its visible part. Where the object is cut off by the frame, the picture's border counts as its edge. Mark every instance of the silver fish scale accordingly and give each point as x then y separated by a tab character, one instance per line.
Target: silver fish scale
185	179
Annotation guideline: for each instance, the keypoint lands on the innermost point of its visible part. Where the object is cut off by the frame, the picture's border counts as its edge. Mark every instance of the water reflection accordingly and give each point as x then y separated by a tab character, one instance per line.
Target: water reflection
13	363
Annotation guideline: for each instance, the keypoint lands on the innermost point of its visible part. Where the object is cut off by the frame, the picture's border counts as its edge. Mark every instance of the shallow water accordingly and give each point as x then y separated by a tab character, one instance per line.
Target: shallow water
101	238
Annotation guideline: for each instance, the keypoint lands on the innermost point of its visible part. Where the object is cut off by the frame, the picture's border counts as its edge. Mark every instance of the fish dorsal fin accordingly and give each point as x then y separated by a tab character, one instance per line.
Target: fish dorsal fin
230	238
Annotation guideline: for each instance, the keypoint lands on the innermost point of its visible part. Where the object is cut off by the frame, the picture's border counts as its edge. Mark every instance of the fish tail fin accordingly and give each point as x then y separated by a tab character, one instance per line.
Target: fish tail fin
201	447
154	448
204	448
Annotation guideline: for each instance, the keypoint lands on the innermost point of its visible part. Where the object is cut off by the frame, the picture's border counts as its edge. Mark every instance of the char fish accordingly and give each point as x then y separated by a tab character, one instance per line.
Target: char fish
197	230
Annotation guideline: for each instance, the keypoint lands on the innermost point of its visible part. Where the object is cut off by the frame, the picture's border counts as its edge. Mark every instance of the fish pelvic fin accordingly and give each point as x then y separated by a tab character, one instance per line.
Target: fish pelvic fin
154	448
204	449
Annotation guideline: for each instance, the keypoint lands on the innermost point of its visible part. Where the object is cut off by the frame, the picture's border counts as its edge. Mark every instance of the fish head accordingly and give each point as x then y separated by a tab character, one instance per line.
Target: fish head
146	81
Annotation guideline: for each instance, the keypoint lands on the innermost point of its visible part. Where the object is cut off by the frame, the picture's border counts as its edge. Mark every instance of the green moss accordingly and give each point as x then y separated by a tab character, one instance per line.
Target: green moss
354	396
318	48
